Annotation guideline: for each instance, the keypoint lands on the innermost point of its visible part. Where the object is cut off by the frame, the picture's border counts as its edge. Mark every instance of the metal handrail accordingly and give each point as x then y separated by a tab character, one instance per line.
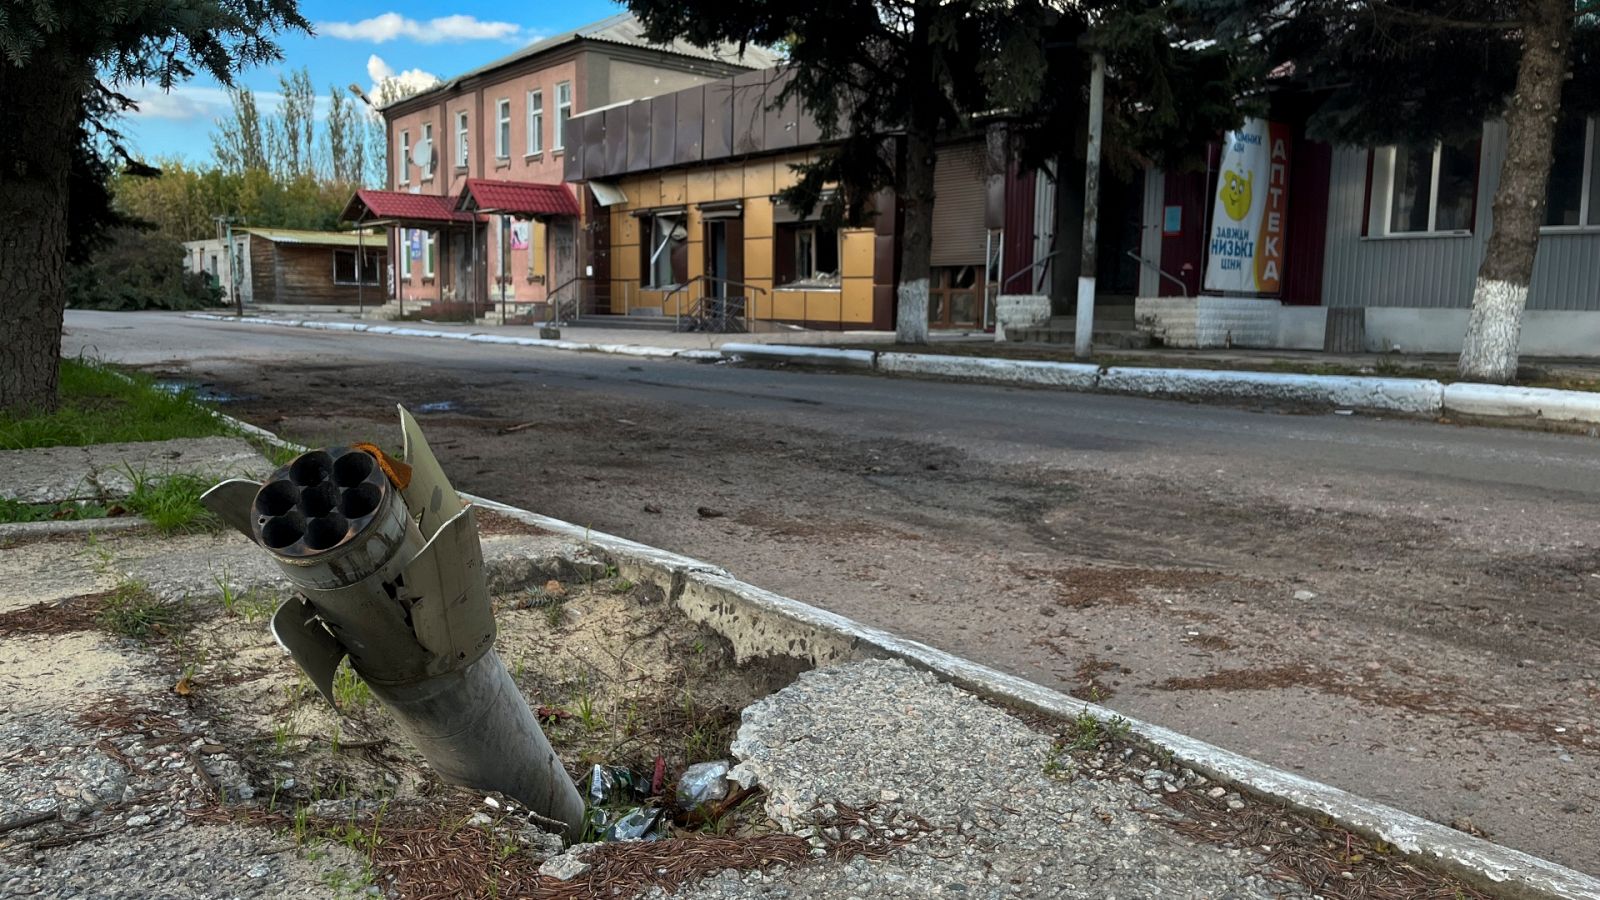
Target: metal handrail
677	312
556	304
1162	272
1021	272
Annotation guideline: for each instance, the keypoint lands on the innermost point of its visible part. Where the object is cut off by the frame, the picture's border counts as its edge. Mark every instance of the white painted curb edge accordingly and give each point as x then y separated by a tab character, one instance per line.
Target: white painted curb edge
1508	872
823	356
1539	403
476	337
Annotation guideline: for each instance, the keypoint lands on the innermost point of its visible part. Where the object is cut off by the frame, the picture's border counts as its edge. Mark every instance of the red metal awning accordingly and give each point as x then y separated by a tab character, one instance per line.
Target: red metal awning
403	208
517	198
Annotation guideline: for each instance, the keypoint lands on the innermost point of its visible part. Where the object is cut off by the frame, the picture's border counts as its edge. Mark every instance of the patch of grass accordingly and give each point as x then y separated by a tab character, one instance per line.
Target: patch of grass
100	406
251	605
1088	732
132	610
349	690
16	511
172	503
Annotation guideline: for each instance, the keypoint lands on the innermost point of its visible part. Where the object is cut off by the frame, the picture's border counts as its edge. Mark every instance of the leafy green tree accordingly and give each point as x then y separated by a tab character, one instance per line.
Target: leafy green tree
239	142
65	68
1422	71
138	267
927	70
293	132
346	139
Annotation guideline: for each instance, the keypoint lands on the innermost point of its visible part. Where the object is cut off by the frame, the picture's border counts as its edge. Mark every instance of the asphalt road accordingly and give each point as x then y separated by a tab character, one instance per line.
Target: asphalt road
1403	608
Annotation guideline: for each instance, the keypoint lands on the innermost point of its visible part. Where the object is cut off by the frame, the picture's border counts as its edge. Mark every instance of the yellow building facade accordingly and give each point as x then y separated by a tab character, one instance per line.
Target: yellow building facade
740	193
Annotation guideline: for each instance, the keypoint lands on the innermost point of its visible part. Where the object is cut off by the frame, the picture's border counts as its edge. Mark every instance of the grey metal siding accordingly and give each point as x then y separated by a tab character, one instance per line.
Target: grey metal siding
1438	272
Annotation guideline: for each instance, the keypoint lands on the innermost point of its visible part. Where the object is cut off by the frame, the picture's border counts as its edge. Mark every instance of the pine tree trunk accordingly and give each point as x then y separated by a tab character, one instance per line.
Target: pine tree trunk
916	240
37	130
1489	350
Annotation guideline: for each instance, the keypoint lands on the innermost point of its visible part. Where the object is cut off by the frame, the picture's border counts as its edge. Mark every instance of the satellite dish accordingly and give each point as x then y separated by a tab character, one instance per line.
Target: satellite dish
422	154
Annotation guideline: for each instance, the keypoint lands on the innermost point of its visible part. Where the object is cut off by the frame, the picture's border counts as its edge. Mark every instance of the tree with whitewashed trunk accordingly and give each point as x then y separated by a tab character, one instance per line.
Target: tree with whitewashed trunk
1489	350
1419	72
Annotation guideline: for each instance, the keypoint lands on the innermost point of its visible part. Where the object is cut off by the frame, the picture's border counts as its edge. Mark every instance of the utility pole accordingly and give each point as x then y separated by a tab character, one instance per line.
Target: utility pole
225	232
1083	334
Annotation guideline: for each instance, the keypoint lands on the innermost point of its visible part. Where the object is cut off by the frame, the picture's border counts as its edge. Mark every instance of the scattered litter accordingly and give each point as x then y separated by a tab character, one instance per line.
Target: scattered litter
707	512
521	426
1344	412
1303	595
703	783
607	784
638	825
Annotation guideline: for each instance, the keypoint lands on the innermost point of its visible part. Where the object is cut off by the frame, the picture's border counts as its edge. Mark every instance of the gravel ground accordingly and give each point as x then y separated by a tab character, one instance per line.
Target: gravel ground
1001	826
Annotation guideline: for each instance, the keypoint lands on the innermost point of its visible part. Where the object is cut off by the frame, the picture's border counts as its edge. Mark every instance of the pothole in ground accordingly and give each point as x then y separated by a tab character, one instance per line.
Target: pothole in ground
619	678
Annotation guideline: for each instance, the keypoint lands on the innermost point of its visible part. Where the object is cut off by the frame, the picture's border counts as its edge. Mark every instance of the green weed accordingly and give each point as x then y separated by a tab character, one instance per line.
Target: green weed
99	406
172	503
349	690
131	610
17	511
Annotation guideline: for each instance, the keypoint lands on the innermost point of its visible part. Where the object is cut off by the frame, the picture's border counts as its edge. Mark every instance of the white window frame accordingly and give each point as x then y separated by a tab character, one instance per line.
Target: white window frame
461	139
427	138
563	113
430	248
403	174
1588	216
502	128
535	122
1382	214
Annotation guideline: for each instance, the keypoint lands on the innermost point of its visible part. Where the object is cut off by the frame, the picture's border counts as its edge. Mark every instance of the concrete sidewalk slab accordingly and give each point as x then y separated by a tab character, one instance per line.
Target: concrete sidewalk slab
102	471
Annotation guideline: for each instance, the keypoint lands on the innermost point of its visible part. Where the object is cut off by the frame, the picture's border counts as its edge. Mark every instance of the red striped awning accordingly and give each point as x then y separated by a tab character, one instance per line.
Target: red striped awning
403	208
517	198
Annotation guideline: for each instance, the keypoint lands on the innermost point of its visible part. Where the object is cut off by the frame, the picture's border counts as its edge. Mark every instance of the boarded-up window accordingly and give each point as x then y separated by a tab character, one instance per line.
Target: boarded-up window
959	189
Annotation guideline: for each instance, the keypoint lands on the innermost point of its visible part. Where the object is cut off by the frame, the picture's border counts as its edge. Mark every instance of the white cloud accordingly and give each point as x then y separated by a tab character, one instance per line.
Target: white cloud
407	82
391	26
180	104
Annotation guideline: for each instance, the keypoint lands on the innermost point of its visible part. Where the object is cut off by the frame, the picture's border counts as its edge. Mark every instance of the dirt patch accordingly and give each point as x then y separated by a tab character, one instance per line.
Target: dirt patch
1082	587
1091	687
783	527
69	614
1376	691
491	522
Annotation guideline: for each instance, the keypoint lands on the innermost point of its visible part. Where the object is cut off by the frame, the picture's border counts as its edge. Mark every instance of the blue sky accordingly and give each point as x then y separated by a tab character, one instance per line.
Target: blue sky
358	42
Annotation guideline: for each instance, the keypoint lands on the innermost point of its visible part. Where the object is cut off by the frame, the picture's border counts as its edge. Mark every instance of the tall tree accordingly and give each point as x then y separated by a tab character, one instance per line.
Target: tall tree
64	67
346	139
1422	71
294	129
239	141
926	70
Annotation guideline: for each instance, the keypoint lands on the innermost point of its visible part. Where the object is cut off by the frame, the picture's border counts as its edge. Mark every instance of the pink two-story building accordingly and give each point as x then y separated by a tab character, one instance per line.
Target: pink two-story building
476	208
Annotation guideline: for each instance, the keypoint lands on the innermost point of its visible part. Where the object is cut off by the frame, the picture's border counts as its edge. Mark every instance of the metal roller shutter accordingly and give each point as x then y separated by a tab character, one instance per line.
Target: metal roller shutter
958	184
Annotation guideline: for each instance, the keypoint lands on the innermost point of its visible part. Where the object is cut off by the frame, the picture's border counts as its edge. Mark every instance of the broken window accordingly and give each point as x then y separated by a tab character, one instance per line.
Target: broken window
807	256
666	250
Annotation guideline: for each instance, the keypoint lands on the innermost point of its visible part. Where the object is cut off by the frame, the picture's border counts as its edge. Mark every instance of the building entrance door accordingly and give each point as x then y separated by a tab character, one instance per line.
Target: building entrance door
563	260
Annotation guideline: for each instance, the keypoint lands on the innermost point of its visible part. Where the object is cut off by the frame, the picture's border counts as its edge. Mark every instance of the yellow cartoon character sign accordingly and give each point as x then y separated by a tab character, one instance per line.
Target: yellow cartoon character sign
1234	194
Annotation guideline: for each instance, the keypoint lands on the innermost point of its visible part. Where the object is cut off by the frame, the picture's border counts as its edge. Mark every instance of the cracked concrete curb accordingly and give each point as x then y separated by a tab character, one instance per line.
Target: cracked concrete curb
35	531
759	623
477	337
